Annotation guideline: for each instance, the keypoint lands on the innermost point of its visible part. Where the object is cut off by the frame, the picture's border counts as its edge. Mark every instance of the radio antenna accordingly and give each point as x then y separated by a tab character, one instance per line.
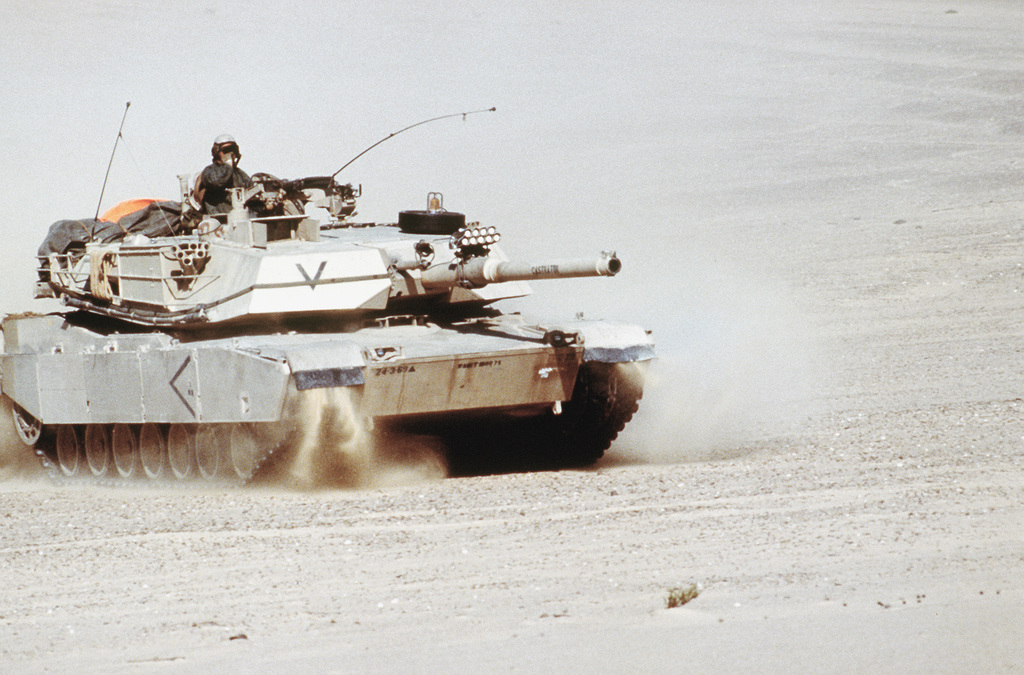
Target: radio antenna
111	162
389	136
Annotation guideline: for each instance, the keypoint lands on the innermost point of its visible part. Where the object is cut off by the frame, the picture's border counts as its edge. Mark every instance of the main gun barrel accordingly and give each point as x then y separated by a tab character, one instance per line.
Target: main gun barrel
486	270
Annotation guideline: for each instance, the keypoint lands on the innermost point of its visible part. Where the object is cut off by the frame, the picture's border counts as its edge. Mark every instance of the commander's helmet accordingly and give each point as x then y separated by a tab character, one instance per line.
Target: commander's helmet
224	141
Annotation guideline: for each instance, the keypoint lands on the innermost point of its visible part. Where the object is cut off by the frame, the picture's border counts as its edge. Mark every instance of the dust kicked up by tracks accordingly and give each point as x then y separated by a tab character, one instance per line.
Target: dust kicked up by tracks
329	446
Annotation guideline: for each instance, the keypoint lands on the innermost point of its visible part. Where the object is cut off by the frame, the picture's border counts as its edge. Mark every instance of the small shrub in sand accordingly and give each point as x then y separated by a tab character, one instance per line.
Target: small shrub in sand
677	597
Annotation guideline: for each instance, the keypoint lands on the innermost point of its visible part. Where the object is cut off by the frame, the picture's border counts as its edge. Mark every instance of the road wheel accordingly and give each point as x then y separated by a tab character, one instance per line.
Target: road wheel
209	441
181	450
125	447
69	452
97	449
243	450
29	428
152	450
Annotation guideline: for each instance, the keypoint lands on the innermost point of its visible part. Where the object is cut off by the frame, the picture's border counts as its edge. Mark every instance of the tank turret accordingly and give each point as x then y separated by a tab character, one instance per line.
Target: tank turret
267	258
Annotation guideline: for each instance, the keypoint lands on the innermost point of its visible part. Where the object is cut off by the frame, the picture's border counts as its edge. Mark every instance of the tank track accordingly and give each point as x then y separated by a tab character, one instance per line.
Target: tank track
206	466
604	399
181	454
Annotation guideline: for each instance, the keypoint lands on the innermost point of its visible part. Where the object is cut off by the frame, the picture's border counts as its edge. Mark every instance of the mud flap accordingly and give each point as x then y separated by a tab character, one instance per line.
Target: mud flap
610	342
326	364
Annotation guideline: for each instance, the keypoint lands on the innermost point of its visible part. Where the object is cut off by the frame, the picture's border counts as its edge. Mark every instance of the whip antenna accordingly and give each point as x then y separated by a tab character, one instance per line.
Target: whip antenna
111	162
389	136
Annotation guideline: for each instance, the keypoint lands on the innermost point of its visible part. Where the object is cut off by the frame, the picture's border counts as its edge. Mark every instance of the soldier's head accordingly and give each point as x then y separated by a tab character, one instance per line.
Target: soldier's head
225	150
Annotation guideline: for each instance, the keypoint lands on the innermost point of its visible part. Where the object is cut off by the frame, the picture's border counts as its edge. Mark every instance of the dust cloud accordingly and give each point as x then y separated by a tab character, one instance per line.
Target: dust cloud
328	445
736	364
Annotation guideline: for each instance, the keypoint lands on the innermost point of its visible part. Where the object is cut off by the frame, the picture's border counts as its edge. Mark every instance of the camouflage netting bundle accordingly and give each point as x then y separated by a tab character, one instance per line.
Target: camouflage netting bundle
157	219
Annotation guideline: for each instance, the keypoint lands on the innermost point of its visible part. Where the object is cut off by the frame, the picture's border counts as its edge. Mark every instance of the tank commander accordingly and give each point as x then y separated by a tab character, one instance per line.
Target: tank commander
211	190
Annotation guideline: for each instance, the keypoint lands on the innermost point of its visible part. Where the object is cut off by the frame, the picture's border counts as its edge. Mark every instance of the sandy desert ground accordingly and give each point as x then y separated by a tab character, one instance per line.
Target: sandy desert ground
841	472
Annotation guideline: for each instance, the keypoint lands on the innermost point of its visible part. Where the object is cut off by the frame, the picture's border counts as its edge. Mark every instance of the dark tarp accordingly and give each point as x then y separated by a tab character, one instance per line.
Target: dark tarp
159	219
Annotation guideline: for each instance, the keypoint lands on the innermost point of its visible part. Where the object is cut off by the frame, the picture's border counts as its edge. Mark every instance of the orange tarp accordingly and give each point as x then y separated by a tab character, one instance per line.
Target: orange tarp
116	213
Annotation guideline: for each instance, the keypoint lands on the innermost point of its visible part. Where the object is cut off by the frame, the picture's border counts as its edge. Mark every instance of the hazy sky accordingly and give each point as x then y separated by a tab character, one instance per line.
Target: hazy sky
676	134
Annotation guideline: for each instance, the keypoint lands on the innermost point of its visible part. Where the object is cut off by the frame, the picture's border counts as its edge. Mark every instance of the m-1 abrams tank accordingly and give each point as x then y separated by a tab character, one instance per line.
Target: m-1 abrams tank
188	340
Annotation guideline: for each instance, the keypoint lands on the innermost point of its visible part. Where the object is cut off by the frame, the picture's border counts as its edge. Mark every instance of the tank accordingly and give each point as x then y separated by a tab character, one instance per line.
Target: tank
189	343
